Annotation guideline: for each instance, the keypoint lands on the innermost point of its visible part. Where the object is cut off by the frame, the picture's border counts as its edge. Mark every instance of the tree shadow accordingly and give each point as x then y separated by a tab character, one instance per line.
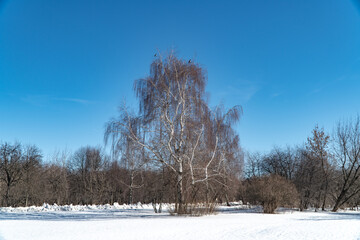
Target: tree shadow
88	215
331	216
240	209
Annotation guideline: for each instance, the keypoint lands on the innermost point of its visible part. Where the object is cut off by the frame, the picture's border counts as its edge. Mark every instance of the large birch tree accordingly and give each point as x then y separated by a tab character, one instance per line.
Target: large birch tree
176	129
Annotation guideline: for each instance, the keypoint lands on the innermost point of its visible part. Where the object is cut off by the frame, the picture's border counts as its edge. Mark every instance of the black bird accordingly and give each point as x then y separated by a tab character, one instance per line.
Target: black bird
155	55
189	61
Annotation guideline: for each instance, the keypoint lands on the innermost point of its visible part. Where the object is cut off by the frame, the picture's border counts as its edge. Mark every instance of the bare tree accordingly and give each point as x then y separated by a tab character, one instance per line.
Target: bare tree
281	162
132	155
175	126
114	189
253	165
56	178
347	155
32	158
87	175
307	179
11	167
318	155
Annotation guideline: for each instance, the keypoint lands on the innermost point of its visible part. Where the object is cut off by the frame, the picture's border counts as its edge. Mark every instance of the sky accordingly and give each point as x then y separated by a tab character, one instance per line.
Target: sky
66	66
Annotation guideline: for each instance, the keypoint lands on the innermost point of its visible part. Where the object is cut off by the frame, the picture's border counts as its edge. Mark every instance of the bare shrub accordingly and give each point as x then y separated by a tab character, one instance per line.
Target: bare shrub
195	209
271	192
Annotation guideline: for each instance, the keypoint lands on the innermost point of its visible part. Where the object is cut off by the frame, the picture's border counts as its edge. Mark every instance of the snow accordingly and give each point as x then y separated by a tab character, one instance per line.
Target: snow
140	222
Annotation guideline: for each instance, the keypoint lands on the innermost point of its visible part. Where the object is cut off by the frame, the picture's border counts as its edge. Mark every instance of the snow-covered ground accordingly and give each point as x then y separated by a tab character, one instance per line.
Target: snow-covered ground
140	222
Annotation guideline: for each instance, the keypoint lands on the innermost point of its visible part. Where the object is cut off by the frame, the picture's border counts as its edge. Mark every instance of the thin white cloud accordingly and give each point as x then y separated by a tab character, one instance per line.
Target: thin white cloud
337	81
242	90
74	100
276	94
43	100
37	100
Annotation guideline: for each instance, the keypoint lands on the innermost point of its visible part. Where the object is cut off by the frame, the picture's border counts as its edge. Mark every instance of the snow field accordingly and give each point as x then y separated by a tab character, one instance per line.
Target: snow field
139	222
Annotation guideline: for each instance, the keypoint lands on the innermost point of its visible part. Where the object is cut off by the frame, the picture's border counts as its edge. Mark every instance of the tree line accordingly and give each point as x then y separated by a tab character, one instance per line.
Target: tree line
323	173
177	149
87	176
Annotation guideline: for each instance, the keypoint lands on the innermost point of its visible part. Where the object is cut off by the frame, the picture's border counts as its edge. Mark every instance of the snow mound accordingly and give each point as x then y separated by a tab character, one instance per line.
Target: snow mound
74	208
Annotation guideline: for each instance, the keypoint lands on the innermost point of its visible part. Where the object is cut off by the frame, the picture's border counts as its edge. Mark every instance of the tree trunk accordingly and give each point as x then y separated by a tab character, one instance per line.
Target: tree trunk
207	193
227	200
338	200
26	200
325	195
180	196
7	195
131	188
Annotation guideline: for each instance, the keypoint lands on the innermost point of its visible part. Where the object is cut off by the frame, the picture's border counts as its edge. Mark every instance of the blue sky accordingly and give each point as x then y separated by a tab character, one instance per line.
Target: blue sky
66	65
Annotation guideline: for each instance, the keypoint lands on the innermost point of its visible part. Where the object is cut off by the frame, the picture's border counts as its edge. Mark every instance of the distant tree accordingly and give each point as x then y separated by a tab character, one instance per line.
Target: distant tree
31	177
347	156
114	189
253	165
56	178
11	168
318	155
307	180
87	176
280	162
